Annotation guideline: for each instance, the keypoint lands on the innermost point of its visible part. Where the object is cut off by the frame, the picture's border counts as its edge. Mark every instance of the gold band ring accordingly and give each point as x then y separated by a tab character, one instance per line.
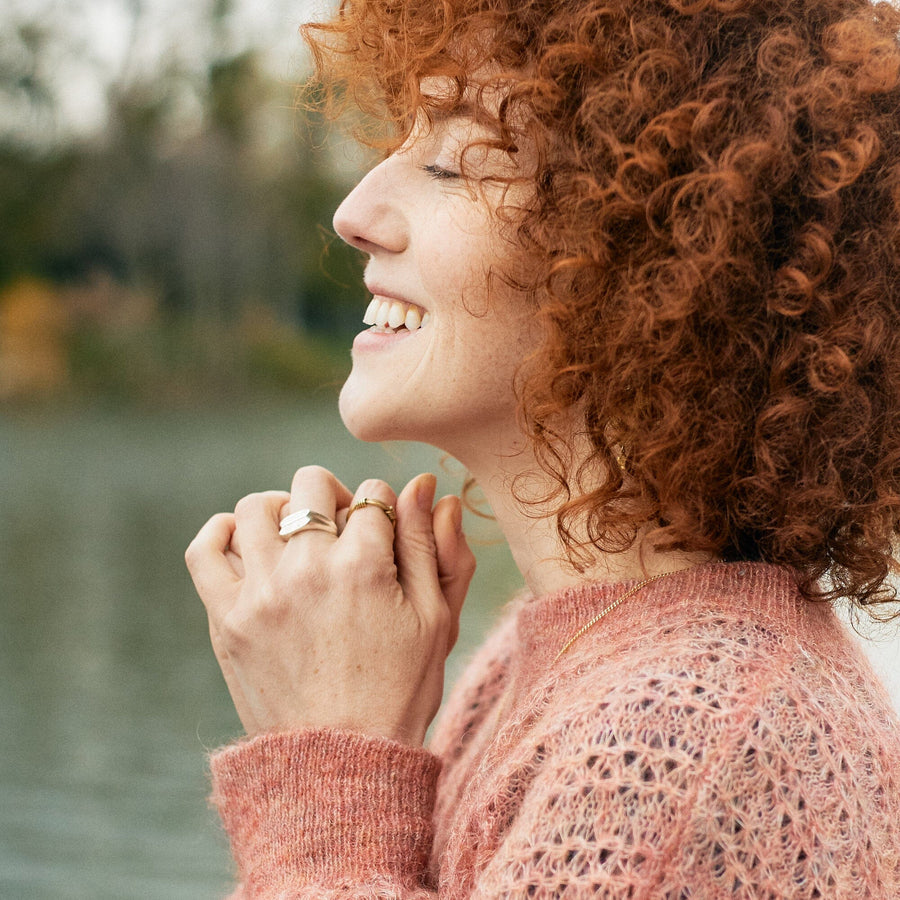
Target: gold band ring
369	501
306	520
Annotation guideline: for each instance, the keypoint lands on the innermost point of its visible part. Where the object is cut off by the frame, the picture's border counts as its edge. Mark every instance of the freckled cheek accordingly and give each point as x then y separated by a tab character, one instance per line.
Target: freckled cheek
448	271
455	250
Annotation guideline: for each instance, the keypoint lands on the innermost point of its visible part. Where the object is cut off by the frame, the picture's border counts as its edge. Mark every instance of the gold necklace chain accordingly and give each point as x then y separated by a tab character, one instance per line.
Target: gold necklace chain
608	609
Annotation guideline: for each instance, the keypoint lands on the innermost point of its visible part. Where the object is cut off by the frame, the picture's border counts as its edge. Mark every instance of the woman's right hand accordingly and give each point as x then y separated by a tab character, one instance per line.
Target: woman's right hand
348	631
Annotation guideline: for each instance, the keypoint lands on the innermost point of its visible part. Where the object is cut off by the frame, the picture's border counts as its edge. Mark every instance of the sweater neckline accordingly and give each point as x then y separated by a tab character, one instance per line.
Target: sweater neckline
760	590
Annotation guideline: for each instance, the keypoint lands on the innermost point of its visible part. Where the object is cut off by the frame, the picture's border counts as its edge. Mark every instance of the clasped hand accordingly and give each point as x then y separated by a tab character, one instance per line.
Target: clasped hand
349	631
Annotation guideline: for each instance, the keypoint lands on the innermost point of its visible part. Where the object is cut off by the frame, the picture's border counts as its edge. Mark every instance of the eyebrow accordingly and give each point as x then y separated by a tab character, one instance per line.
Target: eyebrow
465	109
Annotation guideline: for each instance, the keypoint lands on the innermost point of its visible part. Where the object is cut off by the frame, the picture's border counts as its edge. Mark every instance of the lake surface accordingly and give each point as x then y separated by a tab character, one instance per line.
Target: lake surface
110	694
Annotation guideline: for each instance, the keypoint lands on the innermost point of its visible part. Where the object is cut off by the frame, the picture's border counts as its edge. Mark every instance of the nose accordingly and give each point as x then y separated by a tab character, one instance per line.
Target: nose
370	217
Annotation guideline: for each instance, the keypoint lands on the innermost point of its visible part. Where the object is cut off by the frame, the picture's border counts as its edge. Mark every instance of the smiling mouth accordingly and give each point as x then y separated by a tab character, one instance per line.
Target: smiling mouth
391	316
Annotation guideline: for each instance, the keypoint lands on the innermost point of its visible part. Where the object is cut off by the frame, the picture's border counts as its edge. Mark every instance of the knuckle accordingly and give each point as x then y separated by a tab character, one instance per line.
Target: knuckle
193	560
254	615
247	504
235	629
308	576
308	474
440	618
272	604
315	471
191	553
197	547
375	487
360	566
220	520
467	560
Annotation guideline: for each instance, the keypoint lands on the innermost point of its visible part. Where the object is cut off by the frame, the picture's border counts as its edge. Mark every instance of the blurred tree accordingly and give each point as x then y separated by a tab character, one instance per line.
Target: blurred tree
26	94
32	327
205	189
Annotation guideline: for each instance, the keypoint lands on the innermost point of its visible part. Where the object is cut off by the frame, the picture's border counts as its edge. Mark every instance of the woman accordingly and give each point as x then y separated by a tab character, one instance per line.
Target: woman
635	264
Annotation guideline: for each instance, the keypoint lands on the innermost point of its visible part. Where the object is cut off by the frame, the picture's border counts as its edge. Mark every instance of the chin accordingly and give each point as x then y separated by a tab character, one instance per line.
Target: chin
372	416
364	419
351	416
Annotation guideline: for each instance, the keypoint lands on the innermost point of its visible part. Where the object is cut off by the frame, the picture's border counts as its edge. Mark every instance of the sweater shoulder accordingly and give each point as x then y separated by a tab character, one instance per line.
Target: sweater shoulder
723	756
717	666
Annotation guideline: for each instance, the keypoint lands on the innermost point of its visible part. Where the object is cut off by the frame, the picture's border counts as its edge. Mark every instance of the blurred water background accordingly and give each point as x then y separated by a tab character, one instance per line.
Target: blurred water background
174	320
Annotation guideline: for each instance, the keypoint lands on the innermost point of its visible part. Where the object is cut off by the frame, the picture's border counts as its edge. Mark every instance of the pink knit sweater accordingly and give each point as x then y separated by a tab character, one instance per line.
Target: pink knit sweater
715	736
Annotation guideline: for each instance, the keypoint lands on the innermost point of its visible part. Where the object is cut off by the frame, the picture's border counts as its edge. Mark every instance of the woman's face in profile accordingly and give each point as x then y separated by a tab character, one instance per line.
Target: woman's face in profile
438	363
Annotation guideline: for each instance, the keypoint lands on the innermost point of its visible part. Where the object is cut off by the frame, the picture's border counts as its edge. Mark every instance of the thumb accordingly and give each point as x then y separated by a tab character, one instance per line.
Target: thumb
455	561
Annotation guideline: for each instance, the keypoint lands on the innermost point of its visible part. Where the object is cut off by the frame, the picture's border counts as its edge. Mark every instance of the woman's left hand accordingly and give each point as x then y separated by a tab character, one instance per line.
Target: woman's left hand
321	631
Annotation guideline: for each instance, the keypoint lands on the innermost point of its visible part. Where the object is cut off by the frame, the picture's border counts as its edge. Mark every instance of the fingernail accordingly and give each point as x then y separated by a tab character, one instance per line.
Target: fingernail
425	492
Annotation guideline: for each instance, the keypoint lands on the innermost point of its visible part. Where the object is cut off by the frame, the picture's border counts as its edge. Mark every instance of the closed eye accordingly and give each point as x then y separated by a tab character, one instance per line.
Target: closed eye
439	173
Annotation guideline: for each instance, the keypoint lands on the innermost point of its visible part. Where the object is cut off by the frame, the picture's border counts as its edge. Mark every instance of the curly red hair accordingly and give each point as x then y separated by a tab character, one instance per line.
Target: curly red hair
717	216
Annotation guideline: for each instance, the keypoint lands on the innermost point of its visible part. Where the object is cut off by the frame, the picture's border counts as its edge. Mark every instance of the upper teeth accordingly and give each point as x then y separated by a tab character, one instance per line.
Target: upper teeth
394	313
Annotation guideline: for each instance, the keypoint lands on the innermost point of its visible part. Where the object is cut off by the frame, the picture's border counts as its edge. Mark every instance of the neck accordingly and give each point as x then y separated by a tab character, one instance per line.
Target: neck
533	539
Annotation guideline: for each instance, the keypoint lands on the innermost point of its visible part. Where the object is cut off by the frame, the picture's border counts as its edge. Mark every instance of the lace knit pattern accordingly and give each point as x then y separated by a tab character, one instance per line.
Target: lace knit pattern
716	736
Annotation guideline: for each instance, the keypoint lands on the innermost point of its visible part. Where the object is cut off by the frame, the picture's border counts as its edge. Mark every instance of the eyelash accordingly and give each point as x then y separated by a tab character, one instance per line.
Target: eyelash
439	173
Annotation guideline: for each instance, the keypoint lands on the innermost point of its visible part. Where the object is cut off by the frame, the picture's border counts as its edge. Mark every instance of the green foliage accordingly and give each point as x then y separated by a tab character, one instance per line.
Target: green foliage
189	362
296	362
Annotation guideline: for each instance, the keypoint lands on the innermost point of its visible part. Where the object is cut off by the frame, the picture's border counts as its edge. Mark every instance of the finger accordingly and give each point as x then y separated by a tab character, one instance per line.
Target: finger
256	538
414	546
316	489
340	518
236	563
371	524
455	560
214	577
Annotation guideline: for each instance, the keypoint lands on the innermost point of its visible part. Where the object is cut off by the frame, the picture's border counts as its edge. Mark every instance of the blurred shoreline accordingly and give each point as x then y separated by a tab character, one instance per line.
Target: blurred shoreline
63	345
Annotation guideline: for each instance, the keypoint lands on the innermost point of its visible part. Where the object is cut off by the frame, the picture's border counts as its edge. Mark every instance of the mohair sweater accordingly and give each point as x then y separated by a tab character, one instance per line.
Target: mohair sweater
714	736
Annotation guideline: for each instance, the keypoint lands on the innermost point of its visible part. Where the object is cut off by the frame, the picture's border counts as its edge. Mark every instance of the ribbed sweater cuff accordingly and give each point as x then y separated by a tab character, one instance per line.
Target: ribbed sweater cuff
326	807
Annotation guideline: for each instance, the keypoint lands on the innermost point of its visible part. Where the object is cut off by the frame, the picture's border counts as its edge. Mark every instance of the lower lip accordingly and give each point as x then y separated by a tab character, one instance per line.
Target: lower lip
379	340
